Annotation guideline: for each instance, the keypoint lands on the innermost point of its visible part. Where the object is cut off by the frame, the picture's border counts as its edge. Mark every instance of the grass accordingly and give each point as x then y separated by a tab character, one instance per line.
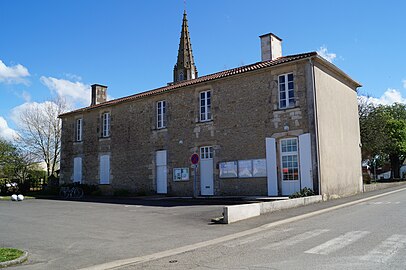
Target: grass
9	254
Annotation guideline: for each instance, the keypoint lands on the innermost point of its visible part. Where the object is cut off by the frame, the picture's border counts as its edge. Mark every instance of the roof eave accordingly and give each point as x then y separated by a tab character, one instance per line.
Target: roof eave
336	69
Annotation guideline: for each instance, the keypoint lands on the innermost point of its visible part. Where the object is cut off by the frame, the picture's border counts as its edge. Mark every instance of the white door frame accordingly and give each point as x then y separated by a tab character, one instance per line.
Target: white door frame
206	171
290	186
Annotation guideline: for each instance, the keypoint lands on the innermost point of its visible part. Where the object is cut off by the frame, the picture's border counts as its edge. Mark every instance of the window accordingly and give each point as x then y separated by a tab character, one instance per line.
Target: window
161	114
289	160
286	91
106	125
206	152
181	76
79	129
205	106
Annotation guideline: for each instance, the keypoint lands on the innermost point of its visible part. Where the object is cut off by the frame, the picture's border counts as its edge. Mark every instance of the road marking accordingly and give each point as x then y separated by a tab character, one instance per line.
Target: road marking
387	249
337	243
296	239
146	258
254	238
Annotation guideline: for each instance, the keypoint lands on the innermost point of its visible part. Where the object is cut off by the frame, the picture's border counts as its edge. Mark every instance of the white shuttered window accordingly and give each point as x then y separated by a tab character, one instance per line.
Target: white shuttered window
104	169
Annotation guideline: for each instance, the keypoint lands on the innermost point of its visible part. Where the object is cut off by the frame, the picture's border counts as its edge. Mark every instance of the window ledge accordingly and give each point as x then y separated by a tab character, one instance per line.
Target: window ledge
77	142
160	129
202	123
288	109
104	138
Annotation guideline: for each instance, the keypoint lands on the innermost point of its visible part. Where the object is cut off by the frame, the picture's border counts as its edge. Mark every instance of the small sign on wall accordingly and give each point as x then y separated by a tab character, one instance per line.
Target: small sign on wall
259	168
180	174
244	168
228	169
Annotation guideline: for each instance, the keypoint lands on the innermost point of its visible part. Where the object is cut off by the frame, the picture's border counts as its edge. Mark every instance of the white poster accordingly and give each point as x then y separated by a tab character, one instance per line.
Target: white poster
180	174
259	167
228	169
244	168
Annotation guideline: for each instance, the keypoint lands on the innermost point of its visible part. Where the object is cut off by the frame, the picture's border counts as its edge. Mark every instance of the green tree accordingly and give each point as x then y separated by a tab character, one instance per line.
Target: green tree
15	163
6	151
383	133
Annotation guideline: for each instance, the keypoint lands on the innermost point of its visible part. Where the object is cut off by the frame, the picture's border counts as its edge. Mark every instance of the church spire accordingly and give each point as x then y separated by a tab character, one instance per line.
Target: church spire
185	68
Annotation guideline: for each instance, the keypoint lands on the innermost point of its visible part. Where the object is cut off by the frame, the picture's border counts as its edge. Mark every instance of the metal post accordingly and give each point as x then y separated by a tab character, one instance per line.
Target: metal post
195	183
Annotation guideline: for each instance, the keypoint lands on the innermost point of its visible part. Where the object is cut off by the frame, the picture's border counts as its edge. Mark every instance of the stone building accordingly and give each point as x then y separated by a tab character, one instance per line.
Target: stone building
268	128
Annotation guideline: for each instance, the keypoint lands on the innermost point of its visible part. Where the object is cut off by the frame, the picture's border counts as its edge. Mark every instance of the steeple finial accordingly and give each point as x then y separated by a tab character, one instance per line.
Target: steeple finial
185	68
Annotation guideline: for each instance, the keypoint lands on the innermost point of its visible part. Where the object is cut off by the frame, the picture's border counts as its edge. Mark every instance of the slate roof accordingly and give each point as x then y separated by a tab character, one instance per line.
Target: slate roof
210	77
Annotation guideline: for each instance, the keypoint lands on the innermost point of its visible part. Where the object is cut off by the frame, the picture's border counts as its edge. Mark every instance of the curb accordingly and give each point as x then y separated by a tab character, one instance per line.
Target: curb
19	260
239	212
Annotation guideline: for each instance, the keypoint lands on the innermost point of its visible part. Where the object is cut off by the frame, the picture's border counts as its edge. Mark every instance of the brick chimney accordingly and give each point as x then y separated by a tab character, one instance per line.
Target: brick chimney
271	47
99	94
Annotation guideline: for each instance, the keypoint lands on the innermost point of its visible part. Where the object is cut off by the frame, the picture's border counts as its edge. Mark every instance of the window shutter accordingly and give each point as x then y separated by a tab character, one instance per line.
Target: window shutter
305	159
77	169
105	169
271	168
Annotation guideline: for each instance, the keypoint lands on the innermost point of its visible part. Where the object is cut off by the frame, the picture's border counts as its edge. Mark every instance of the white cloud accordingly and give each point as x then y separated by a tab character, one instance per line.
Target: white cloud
73	77
13	74
76	93
389	97
323	52
26	96
6	132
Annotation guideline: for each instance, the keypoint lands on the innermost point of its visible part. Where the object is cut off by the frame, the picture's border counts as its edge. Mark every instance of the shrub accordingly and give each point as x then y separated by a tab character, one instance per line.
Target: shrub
304	192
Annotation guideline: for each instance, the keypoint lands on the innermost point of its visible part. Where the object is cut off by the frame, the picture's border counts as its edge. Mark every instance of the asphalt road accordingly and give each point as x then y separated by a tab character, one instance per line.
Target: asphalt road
368	235
74	235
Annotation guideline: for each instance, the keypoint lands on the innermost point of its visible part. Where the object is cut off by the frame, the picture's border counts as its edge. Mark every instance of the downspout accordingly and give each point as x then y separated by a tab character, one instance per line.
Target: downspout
316	133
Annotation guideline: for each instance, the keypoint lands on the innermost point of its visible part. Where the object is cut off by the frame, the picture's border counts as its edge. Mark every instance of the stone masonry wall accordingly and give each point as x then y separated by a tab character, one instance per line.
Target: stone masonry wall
245	112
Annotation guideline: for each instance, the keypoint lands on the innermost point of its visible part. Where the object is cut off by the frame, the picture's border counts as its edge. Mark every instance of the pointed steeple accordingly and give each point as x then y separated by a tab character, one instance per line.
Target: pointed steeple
185	68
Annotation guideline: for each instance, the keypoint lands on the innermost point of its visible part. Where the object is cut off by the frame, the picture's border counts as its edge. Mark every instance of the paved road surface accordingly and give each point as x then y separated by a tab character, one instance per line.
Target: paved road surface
369	235
73	235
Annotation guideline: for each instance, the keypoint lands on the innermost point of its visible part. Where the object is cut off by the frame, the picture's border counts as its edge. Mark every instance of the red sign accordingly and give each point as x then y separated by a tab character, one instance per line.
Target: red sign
194	158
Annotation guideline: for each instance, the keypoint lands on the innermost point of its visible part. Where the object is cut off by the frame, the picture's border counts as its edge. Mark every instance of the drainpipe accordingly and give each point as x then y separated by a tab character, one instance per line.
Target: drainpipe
316	125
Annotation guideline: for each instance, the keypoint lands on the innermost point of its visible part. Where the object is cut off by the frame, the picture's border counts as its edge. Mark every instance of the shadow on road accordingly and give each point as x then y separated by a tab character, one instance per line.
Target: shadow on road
159	201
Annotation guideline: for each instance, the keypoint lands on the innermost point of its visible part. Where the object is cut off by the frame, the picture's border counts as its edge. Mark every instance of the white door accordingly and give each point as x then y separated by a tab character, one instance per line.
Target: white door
206	171
161	172
77	169
289	166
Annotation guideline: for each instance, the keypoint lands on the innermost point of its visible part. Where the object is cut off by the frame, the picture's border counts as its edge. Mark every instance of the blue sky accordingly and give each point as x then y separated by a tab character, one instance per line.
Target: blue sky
62	47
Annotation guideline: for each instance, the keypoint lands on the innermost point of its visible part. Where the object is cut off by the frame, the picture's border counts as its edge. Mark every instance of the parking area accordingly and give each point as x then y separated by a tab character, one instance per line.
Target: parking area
72	234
